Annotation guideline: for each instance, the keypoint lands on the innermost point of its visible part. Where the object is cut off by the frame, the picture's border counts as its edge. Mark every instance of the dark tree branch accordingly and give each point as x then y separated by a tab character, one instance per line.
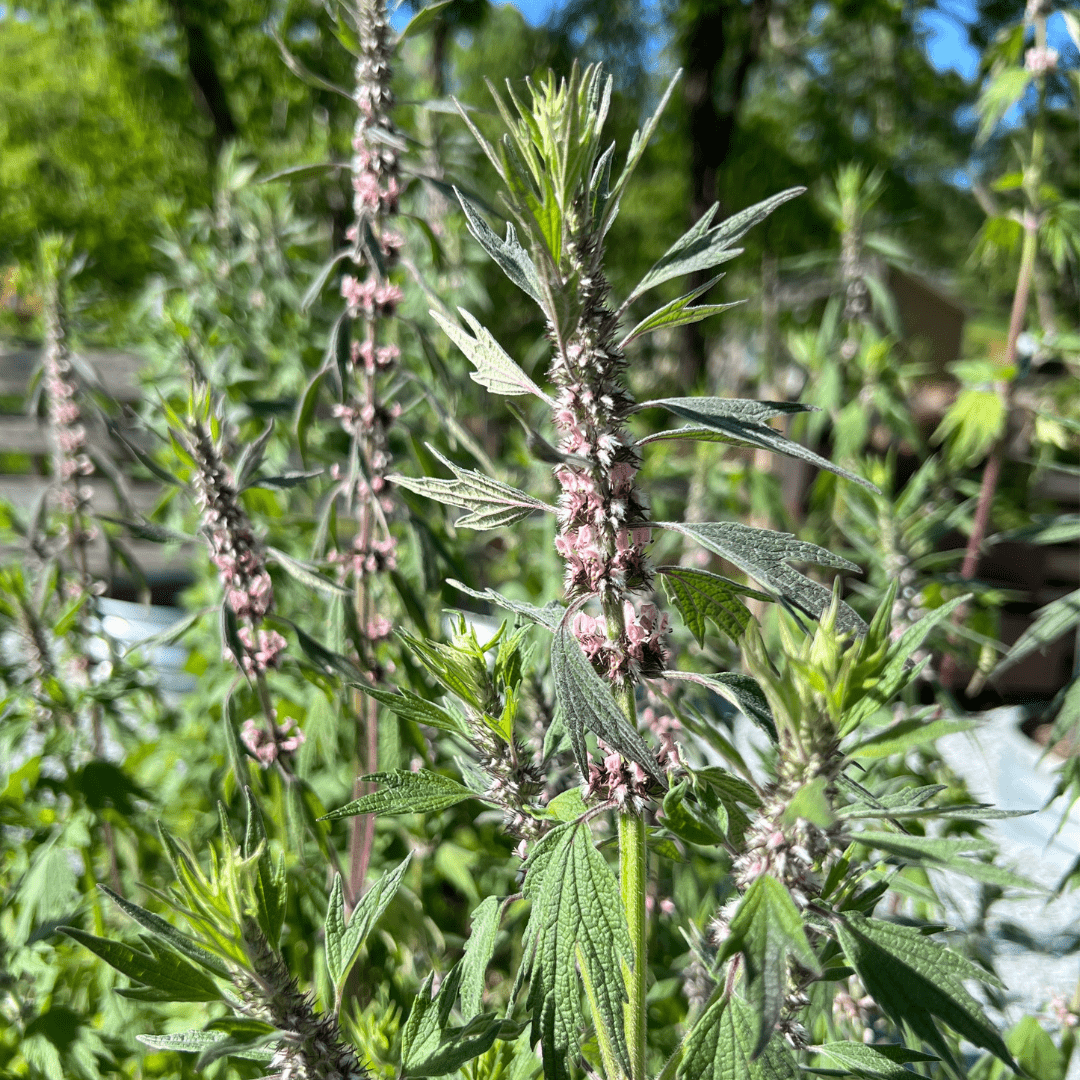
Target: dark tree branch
206	82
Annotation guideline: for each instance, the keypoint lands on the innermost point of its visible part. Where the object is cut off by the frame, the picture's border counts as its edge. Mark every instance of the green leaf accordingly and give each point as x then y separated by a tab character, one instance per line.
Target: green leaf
168	977
678	312
576	919
1001	93
765	555
490	502
569	805
702	247
587	704
767	929
198	1042
811	803
269	884
410	706
422	19
721	1047
168	934
1050	623
479	950
872	1062
690	820
742	423
700	595
306	574
512	258
420	792
906	735
548	616
741	690
917	981
344	940
1035	1051
283	481
495	371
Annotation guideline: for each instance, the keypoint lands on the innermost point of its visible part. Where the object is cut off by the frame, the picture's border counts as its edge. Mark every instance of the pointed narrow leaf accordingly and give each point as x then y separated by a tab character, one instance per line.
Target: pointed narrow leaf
742	423
765	555
548	616
198	1042
479	950
767	929
741	690
1050	623
421	20
410	706
872	1062
588	705
701	595
420	792
678	312
490	502
306	574
918	981
494	369
512	258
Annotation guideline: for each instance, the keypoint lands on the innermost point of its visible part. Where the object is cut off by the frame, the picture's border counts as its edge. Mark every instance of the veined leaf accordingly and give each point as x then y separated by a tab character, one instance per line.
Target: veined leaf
402	792
588	705
269	883
678	312
577	918
872	1062
905	735
167	976
742	423
306	574
512	258
767	929
1050	623
410	706
548	616
198	1042
690	820
765	555
918	981
700	595
494	369
720	1047
741	690
344	940
490	502
479	950
702	247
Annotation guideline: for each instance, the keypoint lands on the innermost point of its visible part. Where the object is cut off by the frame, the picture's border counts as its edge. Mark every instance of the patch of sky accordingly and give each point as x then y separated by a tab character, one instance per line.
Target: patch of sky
945	31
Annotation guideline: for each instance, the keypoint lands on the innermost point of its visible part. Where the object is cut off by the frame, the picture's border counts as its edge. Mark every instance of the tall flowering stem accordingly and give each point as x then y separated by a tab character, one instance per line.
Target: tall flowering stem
371	299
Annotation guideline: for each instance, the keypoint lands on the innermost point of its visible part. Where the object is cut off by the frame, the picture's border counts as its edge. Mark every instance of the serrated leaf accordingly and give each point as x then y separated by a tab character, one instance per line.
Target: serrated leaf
491	503
512	258
168	934
918	981
742	423
720	1047
344	940
767	929
678	312
765	555
549	616
167	976
701	595
421	792
741	690
269	883
577	918
1050	623
872	1061
587	704
479	950
198	1042
306	574
495	371
410	706
905	735
692	822
702	247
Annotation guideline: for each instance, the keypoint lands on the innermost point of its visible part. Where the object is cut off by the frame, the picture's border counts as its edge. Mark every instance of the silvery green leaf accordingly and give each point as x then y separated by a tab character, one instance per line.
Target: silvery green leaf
916	981
576	924
702	247
344	940
281	481
494	369
512	258
767	928
405	793
700	595
742	423
490	502
588	705
410	706
678	312
872	1062
549	616
479	950
1050	623
741	690
196	1042
305	573
252	456
765	555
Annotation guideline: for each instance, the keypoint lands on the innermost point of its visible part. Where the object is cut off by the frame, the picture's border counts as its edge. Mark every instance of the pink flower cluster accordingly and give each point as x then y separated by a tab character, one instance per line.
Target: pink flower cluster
623	783
373	557
371	296
68	434
264	746
1041	60
639	650
263	649
374	358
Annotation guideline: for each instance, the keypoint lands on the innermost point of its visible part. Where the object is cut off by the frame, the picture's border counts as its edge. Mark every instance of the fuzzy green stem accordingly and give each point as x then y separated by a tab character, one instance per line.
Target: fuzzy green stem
633	881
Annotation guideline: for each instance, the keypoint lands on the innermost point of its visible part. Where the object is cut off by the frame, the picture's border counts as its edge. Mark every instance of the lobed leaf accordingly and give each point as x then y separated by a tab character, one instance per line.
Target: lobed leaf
410	706
402	792
513	259
678	312
701	595
549	616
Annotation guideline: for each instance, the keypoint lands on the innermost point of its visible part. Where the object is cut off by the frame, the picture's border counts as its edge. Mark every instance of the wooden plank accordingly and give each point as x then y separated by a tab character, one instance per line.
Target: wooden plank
23	492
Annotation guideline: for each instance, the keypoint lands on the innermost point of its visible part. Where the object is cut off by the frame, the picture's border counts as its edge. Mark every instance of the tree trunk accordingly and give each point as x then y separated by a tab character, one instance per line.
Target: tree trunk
206	82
